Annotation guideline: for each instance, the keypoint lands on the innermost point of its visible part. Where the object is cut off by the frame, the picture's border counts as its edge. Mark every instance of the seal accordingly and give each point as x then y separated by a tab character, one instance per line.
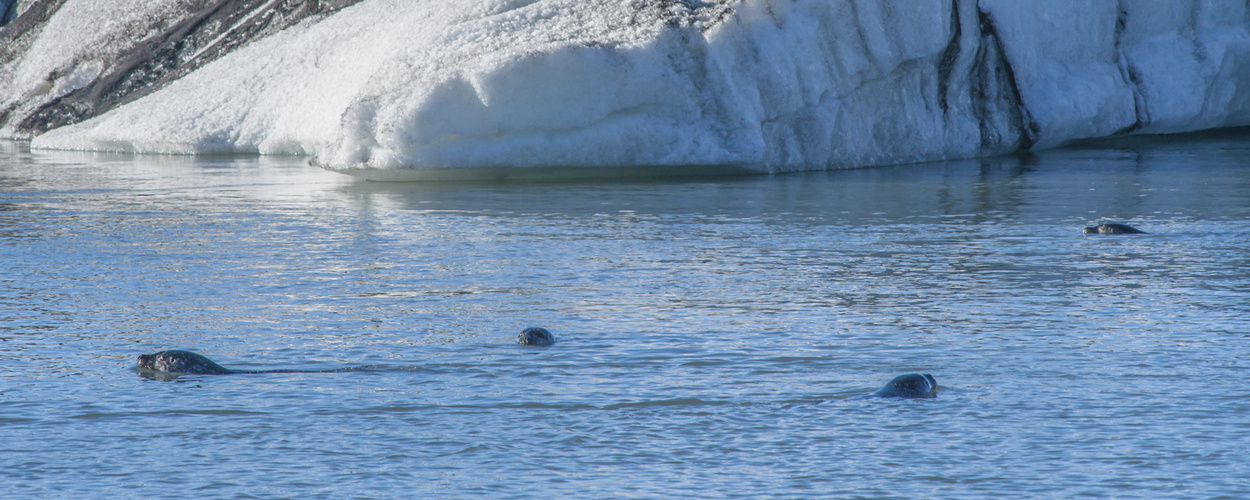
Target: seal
908	386
535	336
168	365
1113	229
181	362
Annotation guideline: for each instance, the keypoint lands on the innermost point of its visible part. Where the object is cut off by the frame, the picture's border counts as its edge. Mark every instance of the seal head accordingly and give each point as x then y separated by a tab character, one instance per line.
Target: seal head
1113	229
180	362
908	386
535	336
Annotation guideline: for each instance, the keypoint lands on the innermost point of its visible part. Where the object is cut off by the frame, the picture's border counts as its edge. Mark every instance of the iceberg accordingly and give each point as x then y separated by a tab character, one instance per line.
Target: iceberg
416	88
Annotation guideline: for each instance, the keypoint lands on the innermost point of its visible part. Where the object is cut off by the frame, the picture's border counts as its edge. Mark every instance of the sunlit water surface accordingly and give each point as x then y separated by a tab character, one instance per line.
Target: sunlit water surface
716	336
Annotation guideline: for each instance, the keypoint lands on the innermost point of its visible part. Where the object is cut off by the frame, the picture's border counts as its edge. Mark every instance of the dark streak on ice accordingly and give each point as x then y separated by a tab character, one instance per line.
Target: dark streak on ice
18	35
949	56
678	14
996	96
215	30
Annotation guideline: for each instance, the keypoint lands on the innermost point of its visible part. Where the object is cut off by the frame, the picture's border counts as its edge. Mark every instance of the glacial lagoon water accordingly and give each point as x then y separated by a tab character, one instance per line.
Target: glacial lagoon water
716	335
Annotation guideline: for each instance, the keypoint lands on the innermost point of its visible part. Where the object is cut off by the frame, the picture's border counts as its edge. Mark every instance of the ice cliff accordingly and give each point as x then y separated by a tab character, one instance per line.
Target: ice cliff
768	85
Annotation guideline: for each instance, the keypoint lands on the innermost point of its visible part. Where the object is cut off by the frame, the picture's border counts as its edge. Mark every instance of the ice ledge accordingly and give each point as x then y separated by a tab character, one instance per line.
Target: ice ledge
767	85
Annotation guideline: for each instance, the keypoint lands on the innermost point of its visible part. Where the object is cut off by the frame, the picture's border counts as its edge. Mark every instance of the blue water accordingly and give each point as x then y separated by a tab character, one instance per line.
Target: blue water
716	336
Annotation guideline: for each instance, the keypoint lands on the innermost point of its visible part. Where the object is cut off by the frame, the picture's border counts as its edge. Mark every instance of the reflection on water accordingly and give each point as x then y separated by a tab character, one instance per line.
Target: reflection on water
713	333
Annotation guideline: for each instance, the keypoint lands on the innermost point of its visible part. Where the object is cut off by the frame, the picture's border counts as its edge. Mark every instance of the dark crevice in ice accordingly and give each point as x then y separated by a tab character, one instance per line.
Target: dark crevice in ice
1005	122
947	64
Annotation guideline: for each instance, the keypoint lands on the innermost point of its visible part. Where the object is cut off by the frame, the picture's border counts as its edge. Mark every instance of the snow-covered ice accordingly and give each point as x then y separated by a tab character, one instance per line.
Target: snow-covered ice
763	85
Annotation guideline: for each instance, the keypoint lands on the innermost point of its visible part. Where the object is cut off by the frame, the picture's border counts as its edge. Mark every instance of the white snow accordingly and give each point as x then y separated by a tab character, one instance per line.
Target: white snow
75	45
768	85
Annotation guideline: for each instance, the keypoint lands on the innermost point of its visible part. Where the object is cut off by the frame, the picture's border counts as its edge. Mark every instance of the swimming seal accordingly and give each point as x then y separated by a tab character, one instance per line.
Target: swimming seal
1113	229
535	336
170	364
908	386
181	362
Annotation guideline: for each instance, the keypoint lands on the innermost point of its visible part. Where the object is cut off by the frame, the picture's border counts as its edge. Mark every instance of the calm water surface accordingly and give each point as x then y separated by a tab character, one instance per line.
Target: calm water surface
715	335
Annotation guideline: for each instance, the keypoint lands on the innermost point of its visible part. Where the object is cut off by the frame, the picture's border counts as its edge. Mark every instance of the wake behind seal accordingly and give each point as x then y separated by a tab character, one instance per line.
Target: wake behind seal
909	386
168	365
1112	228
